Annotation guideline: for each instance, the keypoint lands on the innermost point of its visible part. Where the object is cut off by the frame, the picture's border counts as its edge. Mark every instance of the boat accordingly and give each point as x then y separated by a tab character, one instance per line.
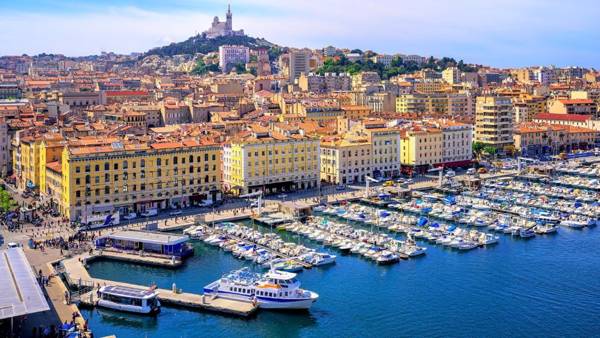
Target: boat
526	233
273	290
318	259
128	299
574	224
387	257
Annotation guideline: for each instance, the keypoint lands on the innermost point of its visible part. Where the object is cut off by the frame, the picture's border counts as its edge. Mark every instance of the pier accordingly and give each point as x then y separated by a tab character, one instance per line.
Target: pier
78	276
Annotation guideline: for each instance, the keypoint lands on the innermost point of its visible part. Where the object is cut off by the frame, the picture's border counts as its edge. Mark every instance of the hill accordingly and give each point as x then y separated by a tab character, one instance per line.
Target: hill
200	44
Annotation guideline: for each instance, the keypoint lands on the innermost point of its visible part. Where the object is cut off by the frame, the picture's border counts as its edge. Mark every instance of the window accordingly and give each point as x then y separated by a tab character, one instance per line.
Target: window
87	168
97	167
106	166
77	170
125	165
116	166
158	161
143	163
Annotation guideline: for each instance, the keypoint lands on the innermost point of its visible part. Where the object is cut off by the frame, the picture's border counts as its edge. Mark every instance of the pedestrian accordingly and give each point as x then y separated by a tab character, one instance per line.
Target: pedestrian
66	297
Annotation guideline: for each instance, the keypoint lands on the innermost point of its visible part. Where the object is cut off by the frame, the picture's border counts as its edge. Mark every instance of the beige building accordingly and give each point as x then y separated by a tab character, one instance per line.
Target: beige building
345	160
573	106
451	75
494	121
299	63
263	159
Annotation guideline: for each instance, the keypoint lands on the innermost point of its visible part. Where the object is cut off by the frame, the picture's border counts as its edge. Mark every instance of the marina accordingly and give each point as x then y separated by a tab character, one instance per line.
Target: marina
520	221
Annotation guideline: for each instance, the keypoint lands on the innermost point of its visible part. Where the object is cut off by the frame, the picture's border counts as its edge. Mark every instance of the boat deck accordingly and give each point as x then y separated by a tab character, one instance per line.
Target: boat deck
77	275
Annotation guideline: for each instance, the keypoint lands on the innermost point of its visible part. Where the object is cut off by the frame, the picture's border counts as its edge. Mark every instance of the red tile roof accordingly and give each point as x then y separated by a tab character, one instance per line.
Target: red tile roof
563	117
576	101
125	92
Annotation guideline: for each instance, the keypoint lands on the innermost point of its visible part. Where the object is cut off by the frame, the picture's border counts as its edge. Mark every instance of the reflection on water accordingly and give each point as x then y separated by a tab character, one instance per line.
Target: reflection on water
117	318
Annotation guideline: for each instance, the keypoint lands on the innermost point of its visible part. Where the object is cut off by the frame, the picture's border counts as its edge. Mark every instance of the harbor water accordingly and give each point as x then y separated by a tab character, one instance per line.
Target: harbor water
548	286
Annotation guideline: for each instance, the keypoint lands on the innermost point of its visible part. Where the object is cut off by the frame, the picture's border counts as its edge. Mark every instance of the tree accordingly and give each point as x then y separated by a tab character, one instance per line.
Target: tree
491	150
201	68
240	68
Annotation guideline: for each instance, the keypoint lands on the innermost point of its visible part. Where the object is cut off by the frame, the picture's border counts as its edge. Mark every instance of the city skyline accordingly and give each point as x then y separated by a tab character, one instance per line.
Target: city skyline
510	34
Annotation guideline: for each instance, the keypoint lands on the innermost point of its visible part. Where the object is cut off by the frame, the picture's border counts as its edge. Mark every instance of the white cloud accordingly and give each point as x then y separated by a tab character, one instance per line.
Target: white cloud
509	32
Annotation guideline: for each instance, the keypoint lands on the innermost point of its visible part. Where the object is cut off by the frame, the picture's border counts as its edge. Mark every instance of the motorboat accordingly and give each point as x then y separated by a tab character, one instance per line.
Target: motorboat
128	299
387	257
273	290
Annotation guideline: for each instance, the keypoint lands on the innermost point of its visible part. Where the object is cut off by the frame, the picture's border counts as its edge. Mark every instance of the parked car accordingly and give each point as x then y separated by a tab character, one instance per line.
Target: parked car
340	187
13	245
482	170
149	213
471	171
450	173
175	212
388	183
206	203
130	216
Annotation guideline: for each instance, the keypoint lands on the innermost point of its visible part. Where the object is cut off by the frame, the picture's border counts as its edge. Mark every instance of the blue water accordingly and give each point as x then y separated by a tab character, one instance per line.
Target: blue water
548	286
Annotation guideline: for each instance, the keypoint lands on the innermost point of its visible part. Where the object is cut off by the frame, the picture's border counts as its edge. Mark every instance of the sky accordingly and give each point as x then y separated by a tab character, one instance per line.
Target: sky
502	33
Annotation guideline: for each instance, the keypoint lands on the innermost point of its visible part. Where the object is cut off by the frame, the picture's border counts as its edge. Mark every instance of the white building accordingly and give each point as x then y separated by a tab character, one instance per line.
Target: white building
230	56
219	28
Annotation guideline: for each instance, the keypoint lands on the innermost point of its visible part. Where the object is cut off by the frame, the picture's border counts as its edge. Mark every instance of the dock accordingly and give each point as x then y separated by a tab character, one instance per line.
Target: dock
144	258
78	276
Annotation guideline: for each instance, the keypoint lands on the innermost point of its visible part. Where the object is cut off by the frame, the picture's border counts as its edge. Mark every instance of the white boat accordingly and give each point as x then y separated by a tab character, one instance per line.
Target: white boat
387	257
575	224
273	290
129	299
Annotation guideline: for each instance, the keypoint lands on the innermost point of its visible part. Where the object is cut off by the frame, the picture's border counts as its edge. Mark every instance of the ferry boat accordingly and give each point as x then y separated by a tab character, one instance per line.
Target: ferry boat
129	299
273	290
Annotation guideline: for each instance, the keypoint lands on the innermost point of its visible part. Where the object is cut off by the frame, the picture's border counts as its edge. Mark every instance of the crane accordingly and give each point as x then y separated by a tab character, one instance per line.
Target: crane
524	159
367	180
259	199
440	171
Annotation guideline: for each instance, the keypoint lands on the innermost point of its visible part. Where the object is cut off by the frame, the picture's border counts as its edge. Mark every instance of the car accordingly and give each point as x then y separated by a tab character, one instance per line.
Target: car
340	187
255	204
450	173
13	245
149	213
206	203
175	212
482	170
130	216
400	180
388	183
471	171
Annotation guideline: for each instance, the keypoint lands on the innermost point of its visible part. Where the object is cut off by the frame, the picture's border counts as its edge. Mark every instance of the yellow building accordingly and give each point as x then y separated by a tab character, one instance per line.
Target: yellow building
422	148
533	139
429	86
345	160
33	152
262	159
126	177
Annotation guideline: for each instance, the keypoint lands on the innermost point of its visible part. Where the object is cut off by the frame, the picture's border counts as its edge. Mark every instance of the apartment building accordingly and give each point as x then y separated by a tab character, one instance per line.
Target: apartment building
494	121
345	160
123	177
263	159
231	56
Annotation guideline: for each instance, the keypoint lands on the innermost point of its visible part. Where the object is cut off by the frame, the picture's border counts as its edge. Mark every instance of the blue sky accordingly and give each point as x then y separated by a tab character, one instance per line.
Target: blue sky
499	33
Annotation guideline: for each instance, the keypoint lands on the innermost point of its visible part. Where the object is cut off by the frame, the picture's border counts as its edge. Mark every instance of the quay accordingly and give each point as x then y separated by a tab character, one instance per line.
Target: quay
77	276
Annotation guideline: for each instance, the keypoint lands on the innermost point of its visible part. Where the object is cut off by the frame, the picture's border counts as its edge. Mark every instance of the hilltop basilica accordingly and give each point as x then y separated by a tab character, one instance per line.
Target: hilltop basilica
219	28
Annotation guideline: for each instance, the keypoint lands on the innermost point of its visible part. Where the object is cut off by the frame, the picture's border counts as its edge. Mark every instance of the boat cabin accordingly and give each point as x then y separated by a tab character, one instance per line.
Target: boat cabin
147	241
129	299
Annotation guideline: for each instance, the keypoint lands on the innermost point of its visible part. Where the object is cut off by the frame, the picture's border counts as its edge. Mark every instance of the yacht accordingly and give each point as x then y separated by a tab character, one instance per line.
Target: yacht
129	299
387	257
273	290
